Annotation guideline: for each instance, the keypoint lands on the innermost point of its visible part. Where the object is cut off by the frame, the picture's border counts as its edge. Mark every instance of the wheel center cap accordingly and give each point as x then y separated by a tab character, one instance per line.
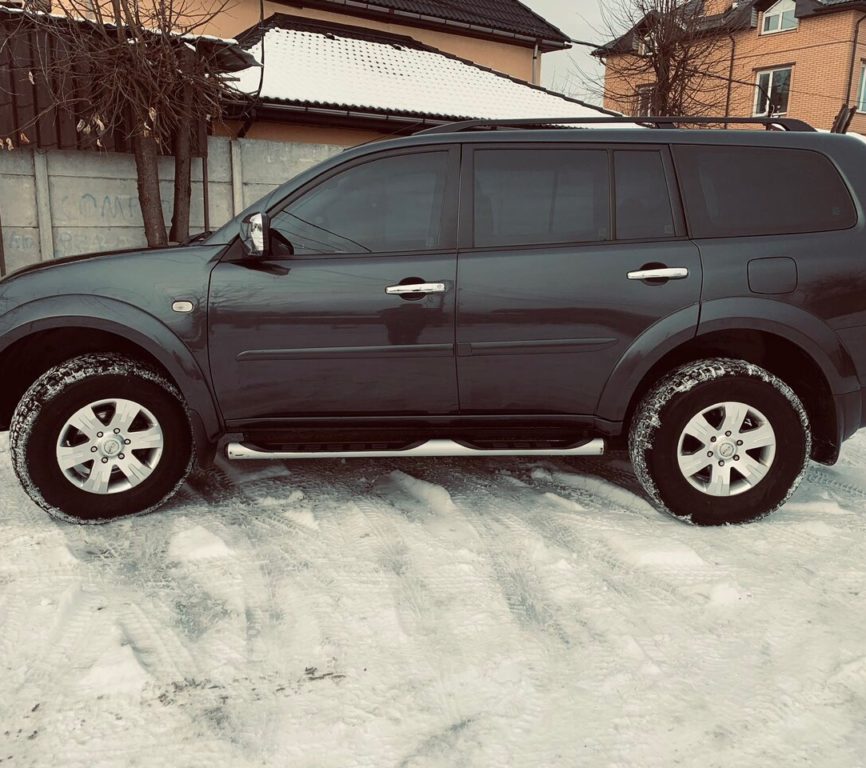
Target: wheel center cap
727	450
111	447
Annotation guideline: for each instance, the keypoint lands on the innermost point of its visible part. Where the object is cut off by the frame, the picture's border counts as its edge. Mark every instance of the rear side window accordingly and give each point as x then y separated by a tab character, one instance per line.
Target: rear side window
748	191
531	197
643	205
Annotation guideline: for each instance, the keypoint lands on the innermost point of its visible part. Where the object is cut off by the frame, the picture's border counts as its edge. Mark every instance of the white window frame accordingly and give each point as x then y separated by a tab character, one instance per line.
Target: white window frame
775	14
861	91
641	93
759	95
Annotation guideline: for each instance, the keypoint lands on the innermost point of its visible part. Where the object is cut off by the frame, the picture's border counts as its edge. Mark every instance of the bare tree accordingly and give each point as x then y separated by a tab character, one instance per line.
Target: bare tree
136	66
666	57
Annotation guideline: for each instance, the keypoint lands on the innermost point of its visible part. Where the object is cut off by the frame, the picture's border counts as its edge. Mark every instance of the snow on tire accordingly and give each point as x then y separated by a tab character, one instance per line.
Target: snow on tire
101	436
720	441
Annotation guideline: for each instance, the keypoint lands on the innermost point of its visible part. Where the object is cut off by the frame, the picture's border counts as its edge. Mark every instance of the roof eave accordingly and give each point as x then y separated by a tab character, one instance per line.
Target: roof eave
822	9
371	10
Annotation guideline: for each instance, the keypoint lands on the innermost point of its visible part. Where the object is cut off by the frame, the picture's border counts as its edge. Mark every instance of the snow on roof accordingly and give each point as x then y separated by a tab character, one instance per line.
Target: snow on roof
334	65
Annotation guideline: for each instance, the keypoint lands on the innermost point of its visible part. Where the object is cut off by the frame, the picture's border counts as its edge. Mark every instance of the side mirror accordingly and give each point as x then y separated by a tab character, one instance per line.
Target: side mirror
255	235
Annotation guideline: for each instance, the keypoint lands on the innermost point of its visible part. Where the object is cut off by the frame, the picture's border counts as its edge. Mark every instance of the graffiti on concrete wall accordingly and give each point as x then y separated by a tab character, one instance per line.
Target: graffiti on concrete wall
108	207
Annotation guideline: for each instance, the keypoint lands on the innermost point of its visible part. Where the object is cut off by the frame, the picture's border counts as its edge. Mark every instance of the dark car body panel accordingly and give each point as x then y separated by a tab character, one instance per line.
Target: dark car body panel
316	336
539	330
129	295
552	335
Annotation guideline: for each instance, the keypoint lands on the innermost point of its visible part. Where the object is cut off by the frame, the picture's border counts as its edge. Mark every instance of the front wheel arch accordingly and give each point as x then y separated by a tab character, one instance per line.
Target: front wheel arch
32	347
54	468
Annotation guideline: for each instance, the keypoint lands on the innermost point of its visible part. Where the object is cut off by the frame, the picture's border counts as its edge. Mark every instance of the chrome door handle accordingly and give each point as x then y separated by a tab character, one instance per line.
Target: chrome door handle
401	290
662	273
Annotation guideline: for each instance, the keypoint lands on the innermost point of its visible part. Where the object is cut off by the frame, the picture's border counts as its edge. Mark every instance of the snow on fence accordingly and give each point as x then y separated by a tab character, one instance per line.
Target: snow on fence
63	202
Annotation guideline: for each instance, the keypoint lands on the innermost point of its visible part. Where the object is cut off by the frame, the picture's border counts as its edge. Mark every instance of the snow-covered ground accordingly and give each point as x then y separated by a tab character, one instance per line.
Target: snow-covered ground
435	613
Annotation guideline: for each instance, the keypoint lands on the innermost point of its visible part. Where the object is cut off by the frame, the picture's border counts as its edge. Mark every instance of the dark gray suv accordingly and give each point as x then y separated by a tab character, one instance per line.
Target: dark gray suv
483	289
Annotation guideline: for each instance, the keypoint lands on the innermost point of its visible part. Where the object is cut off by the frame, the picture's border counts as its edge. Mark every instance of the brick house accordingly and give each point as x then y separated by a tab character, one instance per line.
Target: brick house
808	56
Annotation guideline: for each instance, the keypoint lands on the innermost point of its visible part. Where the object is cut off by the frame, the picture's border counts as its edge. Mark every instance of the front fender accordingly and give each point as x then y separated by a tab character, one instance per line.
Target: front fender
136	326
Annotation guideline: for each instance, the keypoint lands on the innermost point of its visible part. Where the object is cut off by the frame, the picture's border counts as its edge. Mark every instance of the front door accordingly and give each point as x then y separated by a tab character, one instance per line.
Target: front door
549	292
326	325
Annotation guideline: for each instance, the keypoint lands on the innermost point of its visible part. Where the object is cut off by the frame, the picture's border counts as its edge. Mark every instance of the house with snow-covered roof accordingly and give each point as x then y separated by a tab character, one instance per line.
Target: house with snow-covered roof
333	83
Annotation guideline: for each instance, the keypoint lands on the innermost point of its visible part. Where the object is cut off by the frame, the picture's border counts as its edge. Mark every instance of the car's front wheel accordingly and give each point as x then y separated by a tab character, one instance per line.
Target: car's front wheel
99	437
720	441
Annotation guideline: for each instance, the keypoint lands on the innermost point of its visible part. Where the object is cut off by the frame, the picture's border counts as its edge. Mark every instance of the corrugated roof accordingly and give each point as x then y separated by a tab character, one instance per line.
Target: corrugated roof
336	66
503	15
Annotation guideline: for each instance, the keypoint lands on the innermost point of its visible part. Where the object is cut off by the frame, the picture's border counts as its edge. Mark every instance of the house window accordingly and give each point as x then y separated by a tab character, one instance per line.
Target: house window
861	93
644	100
780	17
773	89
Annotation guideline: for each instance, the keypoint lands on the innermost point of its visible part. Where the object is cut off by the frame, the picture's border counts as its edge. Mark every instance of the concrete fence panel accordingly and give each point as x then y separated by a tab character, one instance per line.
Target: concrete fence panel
61	203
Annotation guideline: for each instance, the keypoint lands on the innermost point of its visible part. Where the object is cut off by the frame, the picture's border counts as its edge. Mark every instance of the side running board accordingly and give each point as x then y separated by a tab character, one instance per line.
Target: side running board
242	451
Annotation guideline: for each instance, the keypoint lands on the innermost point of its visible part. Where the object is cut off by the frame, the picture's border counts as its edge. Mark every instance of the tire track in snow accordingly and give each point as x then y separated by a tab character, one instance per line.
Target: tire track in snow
530	609
419	595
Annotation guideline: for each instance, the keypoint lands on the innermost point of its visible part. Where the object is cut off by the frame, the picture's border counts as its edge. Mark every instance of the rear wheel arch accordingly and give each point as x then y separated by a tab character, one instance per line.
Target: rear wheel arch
777	354
720	441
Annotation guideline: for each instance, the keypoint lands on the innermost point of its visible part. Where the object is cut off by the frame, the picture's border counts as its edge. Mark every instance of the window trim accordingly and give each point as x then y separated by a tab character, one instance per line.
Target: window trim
759	95
449	207
768	14
861	91
640	92
467	195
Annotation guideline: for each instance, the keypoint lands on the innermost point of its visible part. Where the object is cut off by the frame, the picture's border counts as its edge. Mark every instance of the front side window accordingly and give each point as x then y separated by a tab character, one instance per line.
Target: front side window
386	205
750	191
534	197
780	17
773	90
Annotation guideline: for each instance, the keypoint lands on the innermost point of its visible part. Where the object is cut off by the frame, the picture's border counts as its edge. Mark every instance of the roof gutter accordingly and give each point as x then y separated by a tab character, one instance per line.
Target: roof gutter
355	114
846	100
376	10
730	75
299	110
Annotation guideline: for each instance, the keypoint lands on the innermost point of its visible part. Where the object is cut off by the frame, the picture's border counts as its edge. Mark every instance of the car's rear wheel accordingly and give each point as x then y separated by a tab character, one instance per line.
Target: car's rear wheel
720	441
100	437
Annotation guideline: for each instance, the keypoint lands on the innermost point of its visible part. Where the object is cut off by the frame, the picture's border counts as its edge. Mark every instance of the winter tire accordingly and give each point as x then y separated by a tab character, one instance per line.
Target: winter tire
720	441
101	437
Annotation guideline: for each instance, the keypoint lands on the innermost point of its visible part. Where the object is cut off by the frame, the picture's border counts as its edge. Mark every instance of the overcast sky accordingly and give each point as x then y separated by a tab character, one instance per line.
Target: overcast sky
580	19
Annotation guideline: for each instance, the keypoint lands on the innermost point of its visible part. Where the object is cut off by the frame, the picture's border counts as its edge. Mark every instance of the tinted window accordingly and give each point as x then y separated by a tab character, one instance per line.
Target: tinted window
741	191
643	205
392	204
527	196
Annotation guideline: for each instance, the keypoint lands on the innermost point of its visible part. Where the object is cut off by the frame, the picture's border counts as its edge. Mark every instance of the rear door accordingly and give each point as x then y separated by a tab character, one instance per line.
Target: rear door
554	241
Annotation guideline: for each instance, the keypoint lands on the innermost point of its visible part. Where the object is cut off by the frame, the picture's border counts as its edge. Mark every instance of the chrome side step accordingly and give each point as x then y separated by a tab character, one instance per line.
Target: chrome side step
243	452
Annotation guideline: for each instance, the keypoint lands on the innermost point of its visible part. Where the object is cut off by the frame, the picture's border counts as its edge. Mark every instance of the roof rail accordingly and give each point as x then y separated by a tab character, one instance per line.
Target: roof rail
770	123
